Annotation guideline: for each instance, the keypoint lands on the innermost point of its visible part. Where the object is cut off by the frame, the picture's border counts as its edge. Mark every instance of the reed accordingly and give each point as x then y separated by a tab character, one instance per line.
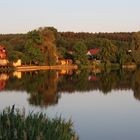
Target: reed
15	125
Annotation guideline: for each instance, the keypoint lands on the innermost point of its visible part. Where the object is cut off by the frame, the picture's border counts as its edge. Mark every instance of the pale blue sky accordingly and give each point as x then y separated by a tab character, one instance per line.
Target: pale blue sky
70	15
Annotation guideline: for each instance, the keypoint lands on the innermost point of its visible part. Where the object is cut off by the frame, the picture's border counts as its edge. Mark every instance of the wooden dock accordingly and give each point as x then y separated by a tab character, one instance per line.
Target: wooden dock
37	68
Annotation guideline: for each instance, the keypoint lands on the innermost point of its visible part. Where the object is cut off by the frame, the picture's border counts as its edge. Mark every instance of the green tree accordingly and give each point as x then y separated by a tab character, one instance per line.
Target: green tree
35	36
122	56
135	44
32	54
81	53
48	46
108	52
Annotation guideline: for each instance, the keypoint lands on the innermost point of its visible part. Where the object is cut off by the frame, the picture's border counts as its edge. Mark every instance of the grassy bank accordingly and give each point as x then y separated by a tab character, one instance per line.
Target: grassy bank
14	124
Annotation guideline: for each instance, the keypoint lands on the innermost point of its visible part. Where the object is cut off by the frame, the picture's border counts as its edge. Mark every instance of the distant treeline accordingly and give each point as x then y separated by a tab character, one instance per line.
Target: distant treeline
111	36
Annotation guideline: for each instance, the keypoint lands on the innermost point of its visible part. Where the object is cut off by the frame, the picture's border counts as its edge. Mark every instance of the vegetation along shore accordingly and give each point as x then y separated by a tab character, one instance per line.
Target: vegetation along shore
48	47
17	125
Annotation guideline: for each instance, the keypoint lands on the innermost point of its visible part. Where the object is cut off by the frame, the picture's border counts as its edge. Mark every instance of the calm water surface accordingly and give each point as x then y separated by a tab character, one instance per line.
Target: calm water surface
102	105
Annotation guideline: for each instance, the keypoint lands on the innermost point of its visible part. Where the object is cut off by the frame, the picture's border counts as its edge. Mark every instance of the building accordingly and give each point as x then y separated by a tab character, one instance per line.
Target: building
3	56
17	63
65	61
2	52
94	51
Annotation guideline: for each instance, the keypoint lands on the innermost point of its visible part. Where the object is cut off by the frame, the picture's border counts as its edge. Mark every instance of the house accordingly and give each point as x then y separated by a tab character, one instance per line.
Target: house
94	51
17	74
65	61
3	56
17	63
2	52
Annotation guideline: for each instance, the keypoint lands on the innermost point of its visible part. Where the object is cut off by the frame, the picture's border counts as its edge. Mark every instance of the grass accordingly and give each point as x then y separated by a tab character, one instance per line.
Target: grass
16	126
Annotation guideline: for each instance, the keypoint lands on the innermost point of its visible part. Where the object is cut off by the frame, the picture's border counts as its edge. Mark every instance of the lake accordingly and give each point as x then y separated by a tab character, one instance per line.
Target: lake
102	105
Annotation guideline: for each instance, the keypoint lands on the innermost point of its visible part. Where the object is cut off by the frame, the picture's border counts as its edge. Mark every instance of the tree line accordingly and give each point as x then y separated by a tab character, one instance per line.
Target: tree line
44	46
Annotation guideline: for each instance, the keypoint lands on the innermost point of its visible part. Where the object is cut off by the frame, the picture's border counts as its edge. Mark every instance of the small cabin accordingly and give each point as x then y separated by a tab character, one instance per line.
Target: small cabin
94	51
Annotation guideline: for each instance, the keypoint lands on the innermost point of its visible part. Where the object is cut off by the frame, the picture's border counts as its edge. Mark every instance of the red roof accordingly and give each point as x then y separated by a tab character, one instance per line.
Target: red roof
94	51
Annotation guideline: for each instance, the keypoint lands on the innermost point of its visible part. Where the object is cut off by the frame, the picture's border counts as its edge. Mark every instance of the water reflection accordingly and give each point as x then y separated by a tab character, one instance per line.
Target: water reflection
45	87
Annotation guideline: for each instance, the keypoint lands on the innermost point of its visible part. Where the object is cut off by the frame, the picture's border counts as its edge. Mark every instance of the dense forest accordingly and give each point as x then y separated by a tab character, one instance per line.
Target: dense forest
44	46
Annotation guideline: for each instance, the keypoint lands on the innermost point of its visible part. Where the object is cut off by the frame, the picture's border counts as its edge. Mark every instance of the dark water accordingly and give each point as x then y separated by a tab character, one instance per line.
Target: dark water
102	105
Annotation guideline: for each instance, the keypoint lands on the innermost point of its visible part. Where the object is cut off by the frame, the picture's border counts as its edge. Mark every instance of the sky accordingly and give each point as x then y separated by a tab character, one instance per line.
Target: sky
20	16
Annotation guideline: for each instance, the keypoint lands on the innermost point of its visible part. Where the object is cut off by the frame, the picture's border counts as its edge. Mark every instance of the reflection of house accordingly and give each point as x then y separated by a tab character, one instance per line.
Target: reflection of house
17	74
3	56
3	78
65	72
65	61
93	78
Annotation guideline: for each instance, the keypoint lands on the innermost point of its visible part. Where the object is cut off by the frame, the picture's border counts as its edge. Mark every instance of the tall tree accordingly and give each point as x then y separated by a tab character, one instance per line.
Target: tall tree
108	52
49	45
32	54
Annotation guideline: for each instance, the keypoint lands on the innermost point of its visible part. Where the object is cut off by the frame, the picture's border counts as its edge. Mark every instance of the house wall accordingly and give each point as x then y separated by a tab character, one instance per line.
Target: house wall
18	63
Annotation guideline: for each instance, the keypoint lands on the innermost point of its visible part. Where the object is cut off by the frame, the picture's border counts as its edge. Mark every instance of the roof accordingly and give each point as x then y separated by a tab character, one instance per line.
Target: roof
94	51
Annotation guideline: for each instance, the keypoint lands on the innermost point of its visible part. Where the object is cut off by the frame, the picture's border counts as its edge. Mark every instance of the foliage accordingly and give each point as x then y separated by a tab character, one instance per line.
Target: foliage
35	37
121	56
108	52
15	125
136	47
81	53
53	44
48	46
32	54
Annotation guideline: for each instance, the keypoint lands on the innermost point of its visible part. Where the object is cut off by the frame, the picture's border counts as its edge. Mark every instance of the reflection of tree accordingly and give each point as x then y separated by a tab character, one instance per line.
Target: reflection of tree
45	87
48	90
82	80
77	82
136	85
41	86
108	81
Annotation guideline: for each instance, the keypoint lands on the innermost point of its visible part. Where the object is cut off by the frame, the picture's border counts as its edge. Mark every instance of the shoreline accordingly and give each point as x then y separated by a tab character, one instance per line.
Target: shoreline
34	68
26	68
